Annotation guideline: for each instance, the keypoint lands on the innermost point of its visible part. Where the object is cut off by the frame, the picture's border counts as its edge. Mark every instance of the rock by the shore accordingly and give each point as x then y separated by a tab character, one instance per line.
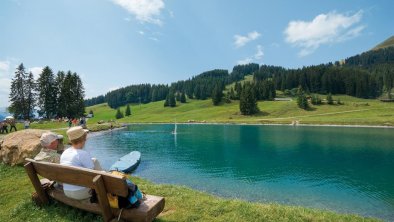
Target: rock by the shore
20	145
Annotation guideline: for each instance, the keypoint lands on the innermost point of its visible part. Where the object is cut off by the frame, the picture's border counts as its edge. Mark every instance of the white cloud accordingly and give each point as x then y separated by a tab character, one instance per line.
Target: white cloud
255	58
259	54
4	67
113	88
171	14
141	32
245	61
154	39
143	10
36	71
5	84
240	40
323	29
275	44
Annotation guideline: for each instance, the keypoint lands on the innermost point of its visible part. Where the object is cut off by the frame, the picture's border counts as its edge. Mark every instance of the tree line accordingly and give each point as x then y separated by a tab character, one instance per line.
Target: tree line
54	96
198	87
367	75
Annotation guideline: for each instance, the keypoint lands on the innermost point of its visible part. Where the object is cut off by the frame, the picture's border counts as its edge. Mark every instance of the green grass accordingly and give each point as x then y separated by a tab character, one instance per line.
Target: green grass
248	78
355	111
182	204
386	43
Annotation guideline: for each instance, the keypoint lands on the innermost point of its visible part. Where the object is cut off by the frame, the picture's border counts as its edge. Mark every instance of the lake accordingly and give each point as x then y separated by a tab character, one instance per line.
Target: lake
344	169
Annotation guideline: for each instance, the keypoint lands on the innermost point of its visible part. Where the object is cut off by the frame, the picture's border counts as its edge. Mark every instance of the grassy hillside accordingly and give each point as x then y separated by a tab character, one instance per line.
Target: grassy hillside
355	111
248	78
387	43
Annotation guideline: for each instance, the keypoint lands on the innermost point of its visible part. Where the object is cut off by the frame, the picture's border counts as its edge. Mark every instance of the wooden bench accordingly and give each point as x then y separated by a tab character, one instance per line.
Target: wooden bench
102	182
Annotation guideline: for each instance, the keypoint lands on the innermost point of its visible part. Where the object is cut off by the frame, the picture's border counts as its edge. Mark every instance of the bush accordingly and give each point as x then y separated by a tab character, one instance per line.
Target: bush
119	114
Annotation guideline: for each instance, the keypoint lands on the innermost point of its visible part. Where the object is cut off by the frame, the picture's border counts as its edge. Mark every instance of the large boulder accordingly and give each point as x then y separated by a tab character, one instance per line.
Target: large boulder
20	145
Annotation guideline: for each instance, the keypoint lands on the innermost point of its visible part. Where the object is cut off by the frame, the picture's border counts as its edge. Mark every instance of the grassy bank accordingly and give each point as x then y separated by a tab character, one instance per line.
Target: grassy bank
182	204
354	111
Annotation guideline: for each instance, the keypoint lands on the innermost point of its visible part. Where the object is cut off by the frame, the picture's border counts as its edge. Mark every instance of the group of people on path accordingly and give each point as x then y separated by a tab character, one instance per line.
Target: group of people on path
4	126
75	122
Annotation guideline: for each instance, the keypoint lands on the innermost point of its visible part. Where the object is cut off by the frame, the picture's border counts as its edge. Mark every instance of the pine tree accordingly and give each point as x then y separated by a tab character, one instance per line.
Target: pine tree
119	114
79	94
71	94
248	101
154	95
61	98
238	90
227	98
217	95
167	101
17	93
183	97
330	100
47	93
30	88
316	100
232	94
171	98
302	101
128	111
178	97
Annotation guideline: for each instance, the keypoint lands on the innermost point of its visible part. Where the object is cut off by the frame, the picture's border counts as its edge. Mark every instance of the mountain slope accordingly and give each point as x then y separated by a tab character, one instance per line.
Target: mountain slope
385	44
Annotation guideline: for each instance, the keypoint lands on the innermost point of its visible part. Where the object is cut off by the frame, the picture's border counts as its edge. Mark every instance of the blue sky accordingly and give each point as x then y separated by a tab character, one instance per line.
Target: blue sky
115	43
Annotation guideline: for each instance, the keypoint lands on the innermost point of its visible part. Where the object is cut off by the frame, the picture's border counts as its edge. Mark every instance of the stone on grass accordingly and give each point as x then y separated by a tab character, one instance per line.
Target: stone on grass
20	145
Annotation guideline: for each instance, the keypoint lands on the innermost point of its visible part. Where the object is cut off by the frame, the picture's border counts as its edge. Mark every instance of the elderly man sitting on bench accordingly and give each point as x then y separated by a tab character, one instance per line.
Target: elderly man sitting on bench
51	148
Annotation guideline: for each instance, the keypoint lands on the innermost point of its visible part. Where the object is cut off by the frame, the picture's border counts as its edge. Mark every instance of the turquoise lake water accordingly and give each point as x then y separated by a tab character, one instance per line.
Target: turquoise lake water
347	170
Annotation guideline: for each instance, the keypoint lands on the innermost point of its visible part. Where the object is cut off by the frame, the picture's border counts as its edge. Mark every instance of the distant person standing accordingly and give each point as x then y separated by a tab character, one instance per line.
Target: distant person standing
1	127
75	121
12	125
4	127
26	124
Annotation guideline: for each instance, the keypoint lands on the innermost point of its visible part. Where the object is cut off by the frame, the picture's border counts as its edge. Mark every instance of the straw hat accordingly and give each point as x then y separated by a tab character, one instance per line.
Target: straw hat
76	132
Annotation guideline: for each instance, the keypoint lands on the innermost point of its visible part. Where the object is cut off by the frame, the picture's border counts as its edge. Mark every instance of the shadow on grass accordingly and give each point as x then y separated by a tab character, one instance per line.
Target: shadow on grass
261	113
311	109
55	211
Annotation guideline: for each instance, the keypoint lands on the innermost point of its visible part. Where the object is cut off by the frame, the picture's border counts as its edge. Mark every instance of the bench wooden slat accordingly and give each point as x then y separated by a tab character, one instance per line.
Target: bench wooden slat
80	176
31	172
102	197
147	211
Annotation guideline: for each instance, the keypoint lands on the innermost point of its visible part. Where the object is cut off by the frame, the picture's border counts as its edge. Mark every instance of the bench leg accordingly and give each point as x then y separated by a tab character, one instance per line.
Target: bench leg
31	172
102	197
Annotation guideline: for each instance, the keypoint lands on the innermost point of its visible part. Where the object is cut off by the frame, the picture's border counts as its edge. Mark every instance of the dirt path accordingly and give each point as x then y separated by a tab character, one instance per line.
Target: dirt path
323	114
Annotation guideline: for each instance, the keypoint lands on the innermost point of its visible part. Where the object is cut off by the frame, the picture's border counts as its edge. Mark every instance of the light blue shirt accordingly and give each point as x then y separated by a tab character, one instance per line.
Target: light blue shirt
78	158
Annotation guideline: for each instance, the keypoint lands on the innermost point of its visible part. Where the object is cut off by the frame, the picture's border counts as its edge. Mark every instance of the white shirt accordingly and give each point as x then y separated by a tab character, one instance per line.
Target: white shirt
78	158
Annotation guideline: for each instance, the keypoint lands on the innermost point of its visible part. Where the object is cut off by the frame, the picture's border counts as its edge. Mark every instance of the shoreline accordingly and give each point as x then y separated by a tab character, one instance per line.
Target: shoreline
265	124
101	132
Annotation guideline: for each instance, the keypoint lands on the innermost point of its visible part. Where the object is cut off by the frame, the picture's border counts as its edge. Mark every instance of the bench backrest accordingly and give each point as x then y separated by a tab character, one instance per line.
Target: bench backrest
80	176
